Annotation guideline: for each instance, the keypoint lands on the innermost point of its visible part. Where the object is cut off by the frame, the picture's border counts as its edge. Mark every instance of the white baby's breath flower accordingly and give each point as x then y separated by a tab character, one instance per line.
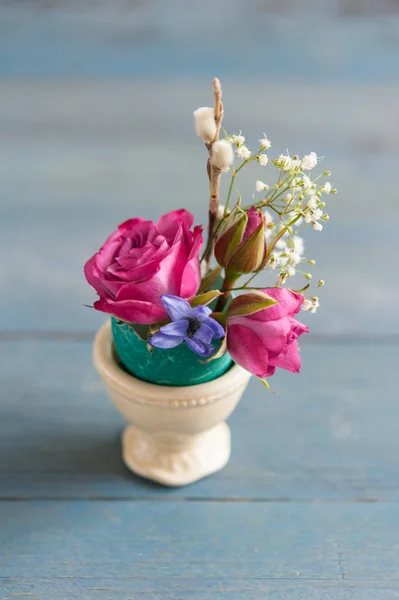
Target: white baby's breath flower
263	160
284	161
238	140
308	216
307	183
299	246
315	304
260	186
307	304
317	226
274	260
205	125
281	244
265	143
317	214
309	161
243	152
290	270
312	203
327	187
222	155
294	257
288	197
295	163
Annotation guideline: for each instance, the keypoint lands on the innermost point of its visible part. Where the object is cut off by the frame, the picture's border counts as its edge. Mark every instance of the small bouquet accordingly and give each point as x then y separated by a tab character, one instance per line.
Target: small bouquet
176	296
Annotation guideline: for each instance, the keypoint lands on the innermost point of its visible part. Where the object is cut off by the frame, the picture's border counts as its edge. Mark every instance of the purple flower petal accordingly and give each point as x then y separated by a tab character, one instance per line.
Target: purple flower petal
177	308
160	340
204	334
200	348
218	331
176	328
200	312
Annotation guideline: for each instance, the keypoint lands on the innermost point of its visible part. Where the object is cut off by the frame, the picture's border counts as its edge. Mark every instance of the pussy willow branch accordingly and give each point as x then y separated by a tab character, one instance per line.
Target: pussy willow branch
214	175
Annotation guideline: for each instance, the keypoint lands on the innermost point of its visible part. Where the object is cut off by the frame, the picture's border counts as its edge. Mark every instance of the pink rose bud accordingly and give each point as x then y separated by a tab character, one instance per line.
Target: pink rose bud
240	243
262	336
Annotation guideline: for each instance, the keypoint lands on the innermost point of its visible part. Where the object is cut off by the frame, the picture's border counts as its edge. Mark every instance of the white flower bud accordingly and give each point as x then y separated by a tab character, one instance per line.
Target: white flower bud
321	282
308	276
309	161
243	152
307	304
260	186
222	155
317	226
238	140
265	143
263	160
205	125
312	261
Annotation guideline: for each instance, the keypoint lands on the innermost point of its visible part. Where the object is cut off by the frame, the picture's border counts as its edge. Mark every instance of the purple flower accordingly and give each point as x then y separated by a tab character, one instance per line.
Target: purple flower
191	325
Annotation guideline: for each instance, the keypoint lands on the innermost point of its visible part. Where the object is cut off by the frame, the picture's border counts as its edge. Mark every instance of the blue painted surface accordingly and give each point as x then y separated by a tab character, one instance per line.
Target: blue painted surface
307	508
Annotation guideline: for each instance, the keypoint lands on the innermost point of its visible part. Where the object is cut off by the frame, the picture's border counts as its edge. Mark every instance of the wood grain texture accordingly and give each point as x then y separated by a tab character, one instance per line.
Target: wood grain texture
181	550
331	433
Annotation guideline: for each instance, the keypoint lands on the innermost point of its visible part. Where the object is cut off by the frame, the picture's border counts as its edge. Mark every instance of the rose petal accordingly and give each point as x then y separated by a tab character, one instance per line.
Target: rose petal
191	276
169	224
132	311
247	350
288	304
273	334
291	360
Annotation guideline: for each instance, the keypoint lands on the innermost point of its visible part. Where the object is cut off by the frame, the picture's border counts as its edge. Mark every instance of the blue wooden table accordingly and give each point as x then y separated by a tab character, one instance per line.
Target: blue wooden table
308	507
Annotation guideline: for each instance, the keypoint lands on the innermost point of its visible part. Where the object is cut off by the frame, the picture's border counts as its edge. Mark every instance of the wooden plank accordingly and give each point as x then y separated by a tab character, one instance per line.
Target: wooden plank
179	550
331	433
132	39
77	159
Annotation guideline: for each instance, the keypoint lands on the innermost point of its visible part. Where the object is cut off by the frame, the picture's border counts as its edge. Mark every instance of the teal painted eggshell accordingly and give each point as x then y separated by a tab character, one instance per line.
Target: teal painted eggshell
177	366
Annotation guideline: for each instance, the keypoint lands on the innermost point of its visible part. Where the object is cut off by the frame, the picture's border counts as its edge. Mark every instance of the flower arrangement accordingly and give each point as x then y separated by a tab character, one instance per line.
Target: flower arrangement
157	280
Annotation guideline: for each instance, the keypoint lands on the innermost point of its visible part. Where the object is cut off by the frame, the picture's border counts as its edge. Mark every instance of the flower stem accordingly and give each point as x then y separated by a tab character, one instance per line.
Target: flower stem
227	287
214	176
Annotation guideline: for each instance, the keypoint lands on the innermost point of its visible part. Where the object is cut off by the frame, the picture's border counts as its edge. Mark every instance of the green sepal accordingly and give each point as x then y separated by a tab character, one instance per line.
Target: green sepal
230	235
250	256
204	299
250	303
267	386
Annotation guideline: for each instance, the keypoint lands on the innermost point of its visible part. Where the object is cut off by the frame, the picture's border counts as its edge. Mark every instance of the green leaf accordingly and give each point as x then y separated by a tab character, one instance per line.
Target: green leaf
209	279
206	298
265	383
250	303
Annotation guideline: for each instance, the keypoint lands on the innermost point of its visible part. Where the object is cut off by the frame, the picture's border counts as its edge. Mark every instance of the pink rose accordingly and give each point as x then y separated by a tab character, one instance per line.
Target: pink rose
141	261
267	339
